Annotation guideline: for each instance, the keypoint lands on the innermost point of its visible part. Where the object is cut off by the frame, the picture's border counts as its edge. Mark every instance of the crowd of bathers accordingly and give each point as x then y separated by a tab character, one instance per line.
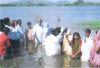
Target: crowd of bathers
56	41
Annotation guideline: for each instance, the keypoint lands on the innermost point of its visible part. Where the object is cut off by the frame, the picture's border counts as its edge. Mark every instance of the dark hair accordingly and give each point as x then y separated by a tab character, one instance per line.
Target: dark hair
54	32
88	31
19	20
6	21
6	30
1	25
73	40
13	23
28	23
96	31
58	30
66	30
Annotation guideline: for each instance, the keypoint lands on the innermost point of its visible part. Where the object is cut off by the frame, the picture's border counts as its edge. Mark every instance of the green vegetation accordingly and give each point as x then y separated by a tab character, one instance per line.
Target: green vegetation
89	24
39	4
77	3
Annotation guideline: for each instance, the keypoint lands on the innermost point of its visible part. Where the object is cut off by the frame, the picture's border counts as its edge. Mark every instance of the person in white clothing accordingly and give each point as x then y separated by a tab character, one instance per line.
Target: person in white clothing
67	41
46	31
20	29
86	46
38	32
52	44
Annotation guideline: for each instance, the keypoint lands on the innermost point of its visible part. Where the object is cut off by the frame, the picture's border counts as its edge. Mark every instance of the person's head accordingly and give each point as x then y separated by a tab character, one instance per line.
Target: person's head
87	32
6	30
98	35
29	24
39	22
65	31
54	31
6	21
58	30
1	25
14	23
19	22
76	36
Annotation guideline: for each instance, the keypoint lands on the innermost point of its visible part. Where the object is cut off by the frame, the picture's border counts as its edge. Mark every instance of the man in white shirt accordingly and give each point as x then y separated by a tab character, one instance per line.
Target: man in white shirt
38	32
86	46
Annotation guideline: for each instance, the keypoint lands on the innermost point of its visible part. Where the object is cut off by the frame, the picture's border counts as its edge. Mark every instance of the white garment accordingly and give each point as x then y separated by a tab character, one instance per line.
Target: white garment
20	29
38	33
46	32
52	45
68	48
21	32
1	32
85	48
10	33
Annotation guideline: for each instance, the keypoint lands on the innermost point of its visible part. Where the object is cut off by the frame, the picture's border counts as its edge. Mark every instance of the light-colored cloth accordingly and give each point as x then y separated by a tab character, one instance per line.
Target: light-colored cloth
10	33
46	31
21	32
52	45
38	33
66	46
96	60
20	28
85	48
15	33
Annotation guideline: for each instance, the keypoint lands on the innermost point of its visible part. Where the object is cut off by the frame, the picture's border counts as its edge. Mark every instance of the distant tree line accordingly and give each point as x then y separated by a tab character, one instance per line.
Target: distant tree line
77	3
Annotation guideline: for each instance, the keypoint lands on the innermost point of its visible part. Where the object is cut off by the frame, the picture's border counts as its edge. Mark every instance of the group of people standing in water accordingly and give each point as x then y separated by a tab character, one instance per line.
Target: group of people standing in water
11	35
56	41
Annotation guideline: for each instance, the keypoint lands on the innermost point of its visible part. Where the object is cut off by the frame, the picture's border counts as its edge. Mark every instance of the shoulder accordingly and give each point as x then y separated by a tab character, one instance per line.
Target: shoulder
35	26
4	35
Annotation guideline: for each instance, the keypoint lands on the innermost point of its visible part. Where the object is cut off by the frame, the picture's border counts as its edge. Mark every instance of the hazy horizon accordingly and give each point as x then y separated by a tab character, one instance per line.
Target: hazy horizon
12	1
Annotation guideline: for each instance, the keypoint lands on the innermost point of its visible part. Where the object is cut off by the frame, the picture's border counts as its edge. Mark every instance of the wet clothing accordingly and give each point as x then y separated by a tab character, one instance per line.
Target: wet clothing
28	33
75	48
52	45
96	60
4	42
38	33
66	46
46	32
85	48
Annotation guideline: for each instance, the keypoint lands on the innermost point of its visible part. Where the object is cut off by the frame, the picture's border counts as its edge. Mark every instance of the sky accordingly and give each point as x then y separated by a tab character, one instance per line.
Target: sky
9	1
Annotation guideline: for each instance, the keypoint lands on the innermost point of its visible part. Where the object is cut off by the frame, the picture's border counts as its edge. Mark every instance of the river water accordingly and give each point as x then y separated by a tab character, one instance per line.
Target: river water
55	16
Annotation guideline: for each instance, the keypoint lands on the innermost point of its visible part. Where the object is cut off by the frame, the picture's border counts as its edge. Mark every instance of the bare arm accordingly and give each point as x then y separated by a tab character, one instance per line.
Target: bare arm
94	46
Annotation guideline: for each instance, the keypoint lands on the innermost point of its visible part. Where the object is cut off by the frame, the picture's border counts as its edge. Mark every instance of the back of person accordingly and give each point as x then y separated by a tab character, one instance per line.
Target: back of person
66	43
52	44
4	42
29	35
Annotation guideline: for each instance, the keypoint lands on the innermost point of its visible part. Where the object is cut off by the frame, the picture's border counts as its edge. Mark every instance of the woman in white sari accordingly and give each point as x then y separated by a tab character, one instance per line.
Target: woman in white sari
66	42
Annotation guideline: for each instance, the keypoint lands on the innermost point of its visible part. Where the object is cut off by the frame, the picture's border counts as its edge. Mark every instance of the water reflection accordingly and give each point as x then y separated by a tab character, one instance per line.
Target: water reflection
36	58
11	63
